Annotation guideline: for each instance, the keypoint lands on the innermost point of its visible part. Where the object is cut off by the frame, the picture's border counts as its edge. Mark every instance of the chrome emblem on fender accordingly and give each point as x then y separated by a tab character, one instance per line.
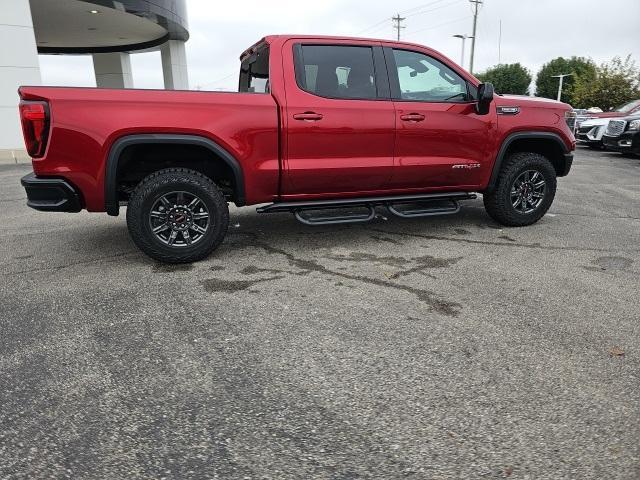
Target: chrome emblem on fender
468	166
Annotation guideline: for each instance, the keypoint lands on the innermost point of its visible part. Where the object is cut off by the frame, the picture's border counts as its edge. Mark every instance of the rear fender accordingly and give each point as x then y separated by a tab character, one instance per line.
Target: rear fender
115	153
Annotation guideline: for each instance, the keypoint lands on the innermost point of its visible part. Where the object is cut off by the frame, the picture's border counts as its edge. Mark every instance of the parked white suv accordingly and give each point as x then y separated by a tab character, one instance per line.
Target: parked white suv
590	132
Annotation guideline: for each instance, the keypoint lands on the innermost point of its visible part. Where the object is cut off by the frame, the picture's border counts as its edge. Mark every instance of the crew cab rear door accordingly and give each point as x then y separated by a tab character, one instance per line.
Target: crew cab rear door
339	119
440	140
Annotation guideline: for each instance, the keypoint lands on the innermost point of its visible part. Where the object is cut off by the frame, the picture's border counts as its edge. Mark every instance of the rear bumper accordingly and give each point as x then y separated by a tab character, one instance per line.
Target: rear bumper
50	194
627	142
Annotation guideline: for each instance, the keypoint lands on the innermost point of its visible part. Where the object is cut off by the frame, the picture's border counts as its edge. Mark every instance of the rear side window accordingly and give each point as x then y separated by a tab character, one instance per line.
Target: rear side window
254	72
336	71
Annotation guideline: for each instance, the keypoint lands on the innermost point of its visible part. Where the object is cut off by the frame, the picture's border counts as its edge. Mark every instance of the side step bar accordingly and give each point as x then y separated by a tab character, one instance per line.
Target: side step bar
423	210
421	205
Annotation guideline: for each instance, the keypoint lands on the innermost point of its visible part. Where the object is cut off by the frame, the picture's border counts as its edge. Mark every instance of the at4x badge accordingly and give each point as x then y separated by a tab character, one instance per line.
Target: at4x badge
468	166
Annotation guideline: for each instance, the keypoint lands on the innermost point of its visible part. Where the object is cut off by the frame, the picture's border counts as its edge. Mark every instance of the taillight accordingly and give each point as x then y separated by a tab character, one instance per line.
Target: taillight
35	126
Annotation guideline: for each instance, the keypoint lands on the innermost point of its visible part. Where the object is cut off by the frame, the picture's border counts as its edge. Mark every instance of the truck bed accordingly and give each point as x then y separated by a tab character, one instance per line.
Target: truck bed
85	122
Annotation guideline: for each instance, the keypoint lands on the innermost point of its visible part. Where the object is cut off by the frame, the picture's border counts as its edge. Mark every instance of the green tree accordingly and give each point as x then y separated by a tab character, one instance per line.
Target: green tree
617	82
508	78
582	69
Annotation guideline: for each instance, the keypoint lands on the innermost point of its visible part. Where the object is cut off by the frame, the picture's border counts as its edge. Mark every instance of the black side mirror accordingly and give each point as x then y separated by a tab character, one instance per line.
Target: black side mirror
485	97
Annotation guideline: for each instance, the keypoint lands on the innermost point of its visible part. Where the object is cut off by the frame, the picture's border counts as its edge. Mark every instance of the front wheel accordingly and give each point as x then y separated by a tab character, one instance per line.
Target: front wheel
524	191
177	215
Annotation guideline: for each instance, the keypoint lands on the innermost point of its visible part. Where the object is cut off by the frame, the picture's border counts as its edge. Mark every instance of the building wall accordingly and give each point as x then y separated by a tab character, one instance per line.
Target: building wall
18	66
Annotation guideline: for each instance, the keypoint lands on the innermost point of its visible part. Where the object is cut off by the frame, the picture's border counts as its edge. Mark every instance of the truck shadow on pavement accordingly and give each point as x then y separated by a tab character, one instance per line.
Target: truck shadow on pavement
262	249
282	230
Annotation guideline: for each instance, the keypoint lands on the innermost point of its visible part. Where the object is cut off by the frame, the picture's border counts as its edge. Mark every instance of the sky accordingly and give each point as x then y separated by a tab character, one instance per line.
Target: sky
533	32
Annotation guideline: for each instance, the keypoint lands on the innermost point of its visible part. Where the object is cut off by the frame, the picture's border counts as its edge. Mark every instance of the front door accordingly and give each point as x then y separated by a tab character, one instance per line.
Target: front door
339	118
440	140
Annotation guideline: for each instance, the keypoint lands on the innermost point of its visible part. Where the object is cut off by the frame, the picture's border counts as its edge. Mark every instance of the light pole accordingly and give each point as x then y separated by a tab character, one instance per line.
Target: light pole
464	39
561	77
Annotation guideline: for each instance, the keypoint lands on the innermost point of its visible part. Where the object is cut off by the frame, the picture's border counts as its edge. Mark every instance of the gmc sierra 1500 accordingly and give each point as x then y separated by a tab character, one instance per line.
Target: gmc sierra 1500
318	124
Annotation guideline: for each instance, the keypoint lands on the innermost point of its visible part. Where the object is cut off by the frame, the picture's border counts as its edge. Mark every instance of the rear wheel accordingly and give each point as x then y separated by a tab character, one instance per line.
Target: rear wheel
177	215
524	191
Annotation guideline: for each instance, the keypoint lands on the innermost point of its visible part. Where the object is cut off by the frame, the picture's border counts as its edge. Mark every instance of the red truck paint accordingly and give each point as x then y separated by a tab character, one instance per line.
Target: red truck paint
337	128
85	122
360	147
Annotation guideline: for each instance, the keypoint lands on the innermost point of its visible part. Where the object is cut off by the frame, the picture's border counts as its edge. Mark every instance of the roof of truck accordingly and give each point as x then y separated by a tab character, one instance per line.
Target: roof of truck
269	38
284	37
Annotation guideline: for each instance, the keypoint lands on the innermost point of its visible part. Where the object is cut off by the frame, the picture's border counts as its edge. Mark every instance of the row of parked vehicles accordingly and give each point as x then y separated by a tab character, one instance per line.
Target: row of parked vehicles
617	130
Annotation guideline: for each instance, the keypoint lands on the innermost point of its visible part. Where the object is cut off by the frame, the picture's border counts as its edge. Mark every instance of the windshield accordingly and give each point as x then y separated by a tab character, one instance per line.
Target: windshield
628	107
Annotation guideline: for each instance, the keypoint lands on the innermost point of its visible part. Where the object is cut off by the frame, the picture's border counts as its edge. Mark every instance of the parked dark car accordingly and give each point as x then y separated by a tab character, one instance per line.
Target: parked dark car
623	135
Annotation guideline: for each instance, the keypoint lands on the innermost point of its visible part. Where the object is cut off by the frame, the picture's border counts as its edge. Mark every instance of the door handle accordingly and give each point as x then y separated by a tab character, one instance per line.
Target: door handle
308	116
412	117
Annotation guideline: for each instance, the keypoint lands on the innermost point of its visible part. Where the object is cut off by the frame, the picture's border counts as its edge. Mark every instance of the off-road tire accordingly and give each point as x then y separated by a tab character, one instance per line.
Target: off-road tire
157	184
498	203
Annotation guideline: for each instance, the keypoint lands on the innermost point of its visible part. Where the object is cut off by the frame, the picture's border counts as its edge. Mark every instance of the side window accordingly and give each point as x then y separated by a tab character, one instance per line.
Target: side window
254	72
336	71
423	78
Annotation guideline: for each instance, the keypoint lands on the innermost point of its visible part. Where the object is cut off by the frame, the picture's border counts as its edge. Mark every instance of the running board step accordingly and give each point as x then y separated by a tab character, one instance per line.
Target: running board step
424	208
350	217
424	205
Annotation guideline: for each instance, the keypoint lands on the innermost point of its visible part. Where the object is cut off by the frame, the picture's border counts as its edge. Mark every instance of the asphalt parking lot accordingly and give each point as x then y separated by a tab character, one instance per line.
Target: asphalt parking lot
437	348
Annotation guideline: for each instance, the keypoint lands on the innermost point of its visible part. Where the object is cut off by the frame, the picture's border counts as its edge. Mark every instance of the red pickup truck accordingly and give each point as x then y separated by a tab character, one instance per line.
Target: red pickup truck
327	128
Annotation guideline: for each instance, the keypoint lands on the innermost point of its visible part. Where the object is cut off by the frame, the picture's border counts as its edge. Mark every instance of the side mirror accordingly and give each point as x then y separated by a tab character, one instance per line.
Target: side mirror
485	97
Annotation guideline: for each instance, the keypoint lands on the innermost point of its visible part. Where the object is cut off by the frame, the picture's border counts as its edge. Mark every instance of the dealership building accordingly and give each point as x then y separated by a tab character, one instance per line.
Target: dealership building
108	30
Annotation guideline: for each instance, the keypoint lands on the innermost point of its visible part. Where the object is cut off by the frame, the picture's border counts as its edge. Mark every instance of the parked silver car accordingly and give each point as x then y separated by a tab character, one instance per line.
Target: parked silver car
590	132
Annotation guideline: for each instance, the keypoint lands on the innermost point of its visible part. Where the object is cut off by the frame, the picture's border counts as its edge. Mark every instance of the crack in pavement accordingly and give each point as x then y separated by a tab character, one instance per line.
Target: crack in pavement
54	268
427	297
606	217
500	244
423	263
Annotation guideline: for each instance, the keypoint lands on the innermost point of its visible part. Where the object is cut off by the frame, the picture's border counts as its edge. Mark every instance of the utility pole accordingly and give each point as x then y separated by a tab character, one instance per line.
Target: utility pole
397	23
561	77
500	44
476	4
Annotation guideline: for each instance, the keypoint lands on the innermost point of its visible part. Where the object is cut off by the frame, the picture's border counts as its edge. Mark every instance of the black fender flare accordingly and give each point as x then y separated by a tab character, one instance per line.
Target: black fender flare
111	168
521	136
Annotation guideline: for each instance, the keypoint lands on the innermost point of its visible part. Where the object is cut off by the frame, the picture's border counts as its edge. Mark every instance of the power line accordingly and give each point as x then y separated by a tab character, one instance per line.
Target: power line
417	10
418	7
421	12
397	19
217	81
411	32
373	26
379	28
397	23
